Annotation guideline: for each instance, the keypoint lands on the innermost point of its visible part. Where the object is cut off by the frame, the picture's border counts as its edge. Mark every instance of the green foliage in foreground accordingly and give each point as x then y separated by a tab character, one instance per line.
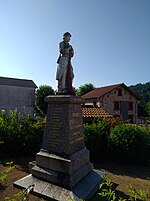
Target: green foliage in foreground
110	194
22	195
4	173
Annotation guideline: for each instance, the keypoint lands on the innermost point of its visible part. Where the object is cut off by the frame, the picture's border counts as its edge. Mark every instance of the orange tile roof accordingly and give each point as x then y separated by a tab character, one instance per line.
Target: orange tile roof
94	112
98	92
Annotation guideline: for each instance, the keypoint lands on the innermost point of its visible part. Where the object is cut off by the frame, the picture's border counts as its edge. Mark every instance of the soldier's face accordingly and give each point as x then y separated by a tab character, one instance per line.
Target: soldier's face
67	38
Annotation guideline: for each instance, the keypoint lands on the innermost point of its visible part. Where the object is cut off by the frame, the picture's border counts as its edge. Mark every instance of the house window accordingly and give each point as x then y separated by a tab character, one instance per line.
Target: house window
116	105
130	105
119	92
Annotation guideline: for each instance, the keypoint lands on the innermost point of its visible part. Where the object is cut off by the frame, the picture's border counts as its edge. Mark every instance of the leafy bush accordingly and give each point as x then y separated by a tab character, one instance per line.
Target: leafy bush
95	139
110	139
105	138
129	144
96	136
20	134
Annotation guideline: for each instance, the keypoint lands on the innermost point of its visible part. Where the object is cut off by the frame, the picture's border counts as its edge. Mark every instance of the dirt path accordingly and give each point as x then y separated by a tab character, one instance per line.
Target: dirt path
122	176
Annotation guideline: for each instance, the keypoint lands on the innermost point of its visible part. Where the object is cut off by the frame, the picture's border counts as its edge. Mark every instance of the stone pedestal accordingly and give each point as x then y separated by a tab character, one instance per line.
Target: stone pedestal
63	162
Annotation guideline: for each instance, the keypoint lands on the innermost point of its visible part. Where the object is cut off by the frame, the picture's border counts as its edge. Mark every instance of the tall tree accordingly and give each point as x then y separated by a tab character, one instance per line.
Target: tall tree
142	109
144	91
148	109
41	93
83	89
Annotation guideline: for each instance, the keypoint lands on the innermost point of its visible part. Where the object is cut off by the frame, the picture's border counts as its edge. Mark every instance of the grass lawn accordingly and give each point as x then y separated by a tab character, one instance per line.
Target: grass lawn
122	176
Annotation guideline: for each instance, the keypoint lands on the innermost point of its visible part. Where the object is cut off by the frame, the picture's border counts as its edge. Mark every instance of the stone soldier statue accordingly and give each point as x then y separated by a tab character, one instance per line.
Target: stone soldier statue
65	73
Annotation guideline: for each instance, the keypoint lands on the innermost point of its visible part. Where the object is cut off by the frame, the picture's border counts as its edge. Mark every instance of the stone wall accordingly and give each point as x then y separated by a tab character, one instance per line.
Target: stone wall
12	97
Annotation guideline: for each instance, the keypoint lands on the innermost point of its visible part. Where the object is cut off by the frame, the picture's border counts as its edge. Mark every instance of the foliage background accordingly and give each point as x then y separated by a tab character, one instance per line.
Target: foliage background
144	91
20	134
83	89
41	93
107	139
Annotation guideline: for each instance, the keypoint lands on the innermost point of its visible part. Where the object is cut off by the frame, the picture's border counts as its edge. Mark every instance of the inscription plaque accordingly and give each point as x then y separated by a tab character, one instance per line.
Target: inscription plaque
64	132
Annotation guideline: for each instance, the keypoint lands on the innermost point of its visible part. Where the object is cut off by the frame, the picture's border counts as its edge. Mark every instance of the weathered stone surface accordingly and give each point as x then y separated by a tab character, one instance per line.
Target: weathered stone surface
64	129
62	179
31	165
85	189
61	164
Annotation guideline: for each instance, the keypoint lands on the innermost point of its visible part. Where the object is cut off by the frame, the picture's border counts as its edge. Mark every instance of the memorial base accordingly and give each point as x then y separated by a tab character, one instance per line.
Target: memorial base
63	170
85	189
66	172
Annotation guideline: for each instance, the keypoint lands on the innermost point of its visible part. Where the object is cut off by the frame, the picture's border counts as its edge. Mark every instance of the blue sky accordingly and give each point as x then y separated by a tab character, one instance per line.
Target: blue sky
111	39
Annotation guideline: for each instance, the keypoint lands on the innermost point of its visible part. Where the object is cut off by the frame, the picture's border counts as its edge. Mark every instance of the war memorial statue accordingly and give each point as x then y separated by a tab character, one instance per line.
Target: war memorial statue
64	73
63	170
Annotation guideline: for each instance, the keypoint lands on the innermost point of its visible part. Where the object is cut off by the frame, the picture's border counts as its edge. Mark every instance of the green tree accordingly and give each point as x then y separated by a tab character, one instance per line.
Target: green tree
41	93
148	109
144	91
142	109
83	89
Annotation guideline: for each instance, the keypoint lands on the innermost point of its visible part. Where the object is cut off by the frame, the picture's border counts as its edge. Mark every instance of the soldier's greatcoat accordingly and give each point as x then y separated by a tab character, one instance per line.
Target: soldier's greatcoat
66	52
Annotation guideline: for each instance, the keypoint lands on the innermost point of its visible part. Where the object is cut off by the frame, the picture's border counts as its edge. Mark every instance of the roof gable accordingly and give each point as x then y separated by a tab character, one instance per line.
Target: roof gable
98	92
17	82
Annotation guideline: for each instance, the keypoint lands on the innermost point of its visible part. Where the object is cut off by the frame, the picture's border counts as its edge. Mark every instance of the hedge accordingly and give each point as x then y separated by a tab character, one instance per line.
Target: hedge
130	144
107	139
20	134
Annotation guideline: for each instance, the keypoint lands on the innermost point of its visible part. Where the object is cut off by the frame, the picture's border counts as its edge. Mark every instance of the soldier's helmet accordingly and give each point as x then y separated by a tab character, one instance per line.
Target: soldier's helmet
67	34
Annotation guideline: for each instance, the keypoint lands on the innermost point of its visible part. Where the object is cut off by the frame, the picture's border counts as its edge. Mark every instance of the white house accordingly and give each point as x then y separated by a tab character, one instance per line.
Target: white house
118	100
17	93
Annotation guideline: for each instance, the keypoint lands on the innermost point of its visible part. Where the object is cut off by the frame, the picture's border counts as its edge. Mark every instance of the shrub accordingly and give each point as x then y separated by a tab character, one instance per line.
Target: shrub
96	136
129	144
20	134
